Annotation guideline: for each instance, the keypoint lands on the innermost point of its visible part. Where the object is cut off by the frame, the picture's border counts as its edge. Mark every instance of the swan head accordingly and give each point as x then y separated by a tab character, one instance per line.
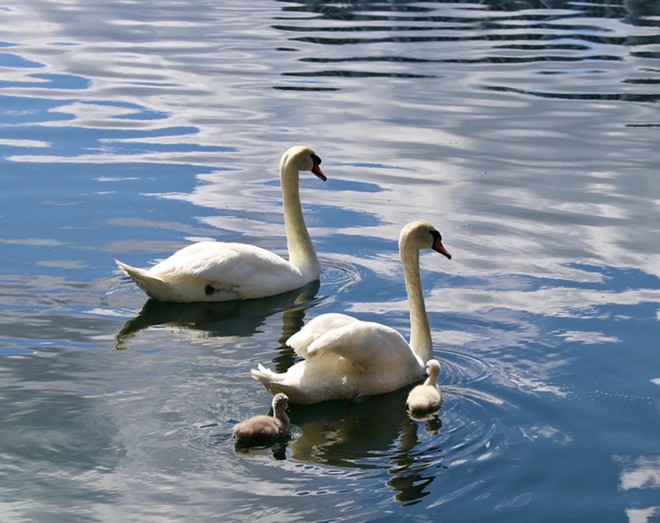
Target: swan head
433	370
280	402
302	158
422	235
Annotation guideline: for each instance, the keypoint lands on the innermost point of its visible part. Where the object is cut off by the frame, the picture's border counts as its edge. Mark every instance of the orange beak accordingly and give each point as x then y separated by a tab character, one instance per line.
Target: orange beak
437	246
318	172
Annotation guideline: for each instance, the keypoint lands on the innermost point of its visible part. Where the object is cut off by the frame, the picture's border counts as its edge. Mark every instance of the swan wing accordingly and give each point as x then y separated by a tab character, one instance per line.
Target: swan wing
368	345
316	329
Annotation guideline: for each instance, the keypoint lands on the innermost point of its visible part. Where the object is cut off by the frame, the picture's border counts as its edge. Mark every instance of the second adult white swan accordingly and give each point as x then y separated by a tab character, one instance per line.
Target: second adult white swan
218	271
347	358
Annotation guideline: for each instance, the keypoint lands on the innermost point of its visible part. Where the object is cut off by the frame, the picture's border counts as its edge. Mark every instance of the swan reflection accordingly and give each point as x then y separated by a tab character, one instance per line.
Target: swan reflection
366	434
240	318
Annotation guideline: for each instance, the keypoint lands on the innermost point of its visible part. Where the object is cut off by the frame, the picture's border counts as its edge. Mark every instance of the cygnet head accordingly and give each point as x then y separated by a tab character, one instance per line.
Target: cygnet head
432	371
280	403
302	158
422	235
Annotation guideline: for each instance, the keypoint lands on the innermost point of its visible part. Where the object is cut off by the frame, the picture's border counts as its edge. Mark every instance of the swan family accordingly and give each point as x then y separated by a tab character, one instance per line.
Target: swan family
342	357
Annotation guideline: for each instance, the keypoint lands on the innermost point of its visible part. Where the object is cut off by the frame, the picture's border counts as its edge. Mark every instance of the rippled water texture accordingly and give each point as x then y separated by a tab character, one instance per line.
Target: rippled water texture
527	132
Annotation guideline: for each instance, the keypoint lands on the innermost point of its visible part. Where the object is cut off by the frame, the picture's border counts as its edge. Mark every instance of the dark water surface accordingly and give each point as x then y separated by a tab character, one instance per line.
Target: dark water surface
527	132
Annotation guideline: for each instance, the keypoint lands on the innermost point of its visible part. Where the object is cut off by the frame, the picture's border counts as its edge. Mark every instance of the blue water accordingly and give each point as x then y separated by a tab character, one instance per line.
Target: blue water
527	132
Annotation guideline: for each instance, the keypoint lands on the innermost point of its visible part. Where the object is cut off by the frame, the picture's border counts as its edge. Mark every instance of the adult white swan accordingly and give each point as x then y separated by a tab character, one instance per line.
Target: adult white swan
346	358
218	271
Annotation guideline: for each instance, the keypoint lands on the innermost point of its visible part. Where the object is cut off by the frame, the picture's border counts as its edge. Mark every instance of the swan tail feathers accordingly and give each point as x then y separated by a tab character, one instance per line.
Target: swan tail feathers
273	381
155	287
263	374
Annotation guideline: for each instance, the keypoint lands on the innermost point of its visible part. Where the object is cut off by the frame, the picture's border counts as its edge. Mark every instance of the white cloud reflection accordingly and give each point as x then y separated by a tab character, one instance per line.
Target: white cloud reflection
642	515
642	473
588	338
23	143
560	302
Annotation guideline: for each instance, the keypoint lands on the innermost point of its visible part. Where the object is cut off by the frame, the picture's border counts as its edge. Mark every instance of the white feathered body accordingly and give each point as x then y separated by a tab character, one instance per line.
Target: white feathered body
217	271
344	358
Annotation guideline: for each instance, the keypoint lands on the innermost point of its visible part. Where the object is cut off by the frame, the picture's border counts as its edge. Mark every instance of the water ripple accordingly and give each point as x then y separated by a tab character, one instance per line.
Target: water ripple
463	369
475	34
338	277
357	440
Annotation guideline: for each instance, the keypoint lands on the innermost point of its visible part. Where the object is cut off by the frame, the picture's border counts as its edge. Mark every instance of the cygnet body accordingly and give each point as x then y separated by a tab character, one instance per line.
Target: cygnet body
426	397
265	429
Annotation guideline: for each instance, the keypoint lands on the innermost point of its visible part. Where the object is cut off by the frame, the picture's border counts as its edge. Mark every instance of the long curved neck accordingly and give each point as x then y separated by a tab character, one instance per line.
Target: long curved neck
420	332
299	244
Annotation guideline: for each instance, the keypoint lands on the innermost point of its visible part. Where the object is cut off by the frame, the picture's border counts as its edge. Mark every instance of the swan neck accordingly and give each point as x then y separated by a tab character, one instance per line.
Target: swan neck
420	331
299	244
